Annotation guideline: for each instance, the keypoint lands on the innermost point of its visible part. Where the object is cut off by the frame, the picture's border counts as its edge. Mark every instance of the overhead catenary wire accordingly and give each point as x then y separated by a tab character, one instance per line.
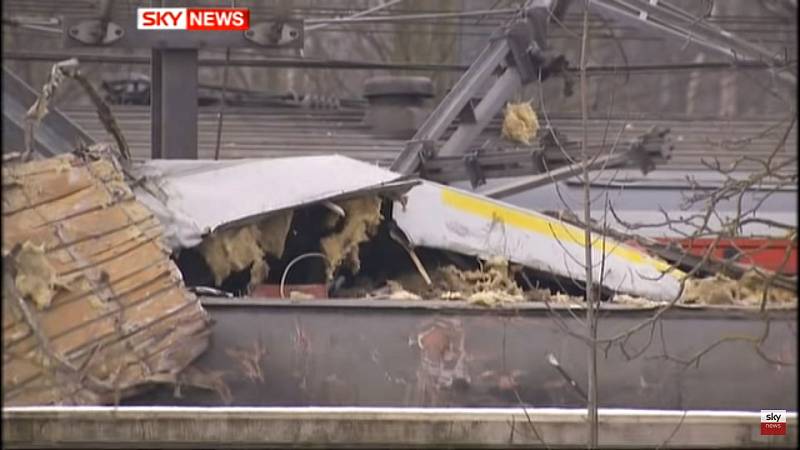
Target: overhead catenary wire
223	101
366	12
445	28
36	25
314	63
766	24
441	16
419	17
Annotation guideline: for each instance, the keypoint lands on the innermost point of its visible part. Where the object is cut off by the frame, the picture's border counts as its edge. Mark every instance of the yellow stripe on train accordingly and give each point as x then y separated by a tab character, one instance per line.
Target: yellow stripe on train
549	228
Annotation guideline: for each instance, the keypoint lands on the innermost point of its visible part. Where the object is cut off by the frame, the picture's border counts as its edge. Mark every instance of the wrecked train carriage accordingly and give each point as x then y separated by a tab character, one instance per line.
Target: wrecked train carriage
94	310
236	225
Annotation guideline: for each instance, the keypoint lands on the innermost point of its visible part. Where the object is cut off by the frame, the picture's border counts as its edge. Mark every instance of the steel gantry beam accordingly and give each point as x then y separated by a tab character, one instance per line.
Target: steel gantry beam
173	104
57	133
451	106
517	53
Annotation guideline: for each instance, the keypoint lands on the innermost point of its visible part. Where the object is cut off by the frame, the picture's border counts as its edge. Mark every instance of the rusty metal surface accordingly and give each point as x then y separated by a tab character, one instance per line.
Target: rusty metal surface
385	353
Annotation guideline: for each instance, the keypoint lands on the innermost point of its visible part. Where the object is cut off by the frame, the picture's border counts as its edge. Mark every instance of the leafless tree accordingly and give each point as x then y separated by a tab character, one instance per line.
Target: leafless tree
704	219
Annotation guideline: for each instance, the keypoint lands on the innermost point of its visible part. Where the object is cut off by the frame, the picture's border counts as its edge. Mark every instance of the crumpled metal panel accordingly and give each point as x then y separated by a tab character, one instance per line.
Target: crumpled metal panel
193	198
446	218
93	308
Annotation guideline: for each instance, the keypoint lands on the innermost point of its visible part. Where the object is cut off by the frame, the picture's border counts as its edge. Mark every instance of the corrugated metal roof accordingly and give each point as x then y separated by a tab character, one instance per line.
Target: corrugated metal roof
269	132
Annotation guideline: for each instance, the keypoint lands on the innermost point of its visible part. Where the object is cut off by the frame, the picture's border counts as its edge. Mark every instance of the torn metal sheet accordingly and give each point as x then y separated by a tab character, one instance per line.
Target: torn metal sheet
93	308
194	198
446	218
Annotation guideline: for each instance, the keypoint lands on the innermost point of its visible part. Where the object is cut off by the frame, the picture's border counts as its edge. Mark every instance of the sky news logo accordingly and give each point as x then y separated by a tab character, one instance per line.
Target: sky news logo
193	19
773	422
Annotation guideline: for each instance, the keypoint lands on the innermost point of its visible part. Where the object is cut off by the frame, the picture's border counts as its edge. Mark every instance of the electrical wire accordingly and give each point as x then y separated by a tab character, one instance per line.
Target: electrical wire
223	101
311	63
293	262
484	28
414	17
366	12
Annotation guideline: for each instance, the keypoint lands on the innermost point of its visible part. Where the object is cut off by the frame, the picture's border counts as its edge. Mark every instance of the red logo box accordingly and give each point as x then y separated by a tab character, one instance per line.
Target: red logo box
773	429
218	19
194	19
773	422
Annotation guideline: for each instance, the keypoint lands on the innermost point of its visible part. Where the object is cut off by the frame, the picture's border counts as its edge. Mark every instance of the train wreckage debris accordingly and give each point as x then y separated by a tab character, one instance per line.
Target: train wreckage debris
94	310
98	255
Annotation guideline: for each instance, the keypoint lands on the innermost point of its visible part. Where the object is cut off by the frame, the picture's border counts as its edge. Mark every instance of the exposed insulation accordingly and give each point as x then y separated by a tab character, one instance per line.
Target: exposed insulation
748	290
393	291
363	215
493	284
520	123
489	286
630	300
236	249
493	297
35	278
112	314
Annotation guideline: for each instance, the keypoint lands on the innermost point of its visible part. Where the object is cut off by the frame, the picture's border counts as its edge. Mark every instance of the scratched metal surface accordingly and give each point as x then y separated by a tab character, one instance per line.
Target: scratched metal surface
382	353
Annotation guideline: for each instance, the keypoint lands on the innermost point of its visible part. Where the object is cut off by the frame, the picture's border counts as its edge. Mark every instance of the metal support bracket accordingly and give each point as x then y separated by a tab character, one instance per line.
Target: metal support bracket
467	115
427	150
522	49
95	32
514	54
480	164
537	157
409	160
476	175
642	152
276	34
551	139
527	40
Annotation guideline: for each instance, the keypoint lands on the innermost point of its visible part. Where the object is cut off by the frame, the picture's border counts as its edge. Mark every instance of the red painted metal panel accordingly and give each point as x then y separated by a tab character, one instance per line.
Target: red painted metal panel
769	254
